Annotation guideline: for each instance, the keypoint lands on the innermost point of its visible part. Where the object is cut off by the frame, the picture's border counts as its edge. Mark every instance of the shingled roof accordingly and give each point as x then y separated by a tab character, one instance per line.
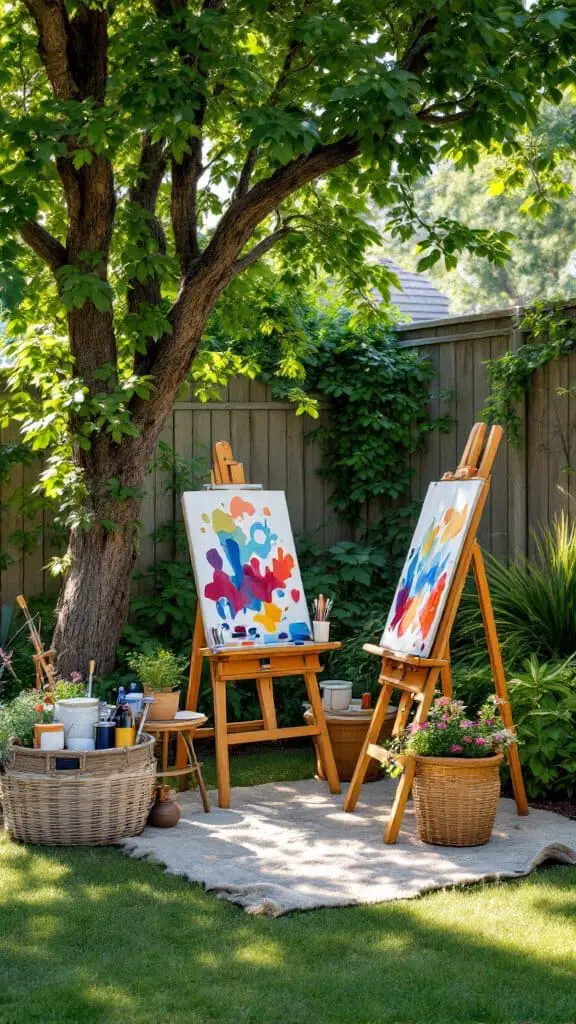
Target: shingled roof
418	299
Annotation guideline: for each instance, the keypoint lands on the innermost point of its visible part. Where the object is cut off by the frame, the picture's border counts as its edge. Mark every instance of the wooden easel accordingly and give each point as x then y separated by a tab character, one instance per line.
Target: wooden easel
43	660
416	678
264	664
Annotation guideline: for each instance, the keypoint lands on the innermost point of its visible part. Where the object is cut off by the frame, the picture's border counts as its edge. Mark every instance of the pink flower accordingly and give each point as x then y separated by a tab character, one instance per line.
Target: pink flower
423	725
75	677
467	739
440	725
456	749
443	701
489	721
480	741
6	657
466	724
412	728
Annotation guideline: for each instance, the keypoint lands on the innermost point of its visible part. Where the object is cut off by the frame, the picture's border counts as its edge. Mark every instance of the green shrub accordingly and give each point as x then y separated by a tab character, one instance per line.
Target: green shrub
543	700
19	716
534	601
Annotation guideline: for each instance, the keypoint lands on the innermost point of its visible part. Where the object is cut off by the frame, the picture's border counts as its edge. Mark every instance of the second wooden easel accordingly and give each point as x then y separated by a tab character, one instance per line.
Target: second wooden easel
262	664
417	678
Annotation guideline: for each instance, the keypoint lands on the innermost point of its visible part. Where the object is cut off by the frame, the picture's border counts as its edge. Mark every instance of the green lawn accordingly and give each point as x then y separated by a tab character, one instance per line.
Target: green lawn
91	935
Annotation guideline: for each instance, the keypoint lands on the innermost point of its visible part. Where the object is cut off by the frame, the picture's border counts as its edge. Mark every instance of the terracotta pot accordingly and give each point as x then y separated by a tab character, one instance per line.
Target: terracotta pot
165	704
455	799
347	734
165	812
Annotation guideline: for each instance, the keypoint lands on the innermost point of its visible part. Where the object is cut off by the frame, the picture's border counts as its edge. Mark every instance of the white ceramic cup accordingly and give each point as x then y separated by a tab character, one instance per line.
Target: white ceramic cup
321	631
336	694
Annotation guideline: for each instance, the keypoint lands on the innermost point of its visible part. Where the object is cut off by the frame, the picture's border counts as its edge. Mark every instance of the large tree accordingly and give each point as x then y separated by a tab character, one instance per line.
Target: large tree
153	151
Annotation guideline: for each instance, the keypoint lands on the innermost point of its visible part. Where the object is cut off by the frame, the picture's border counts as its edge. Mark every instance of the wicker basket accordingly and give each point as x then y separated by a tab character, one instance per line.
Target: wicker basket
456	799
105	797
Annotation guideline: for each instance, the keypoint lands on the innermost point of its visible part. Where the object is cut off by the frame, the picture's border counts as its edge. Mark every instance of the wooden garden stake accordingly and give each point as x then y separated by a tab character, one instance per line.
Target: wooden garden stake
417	678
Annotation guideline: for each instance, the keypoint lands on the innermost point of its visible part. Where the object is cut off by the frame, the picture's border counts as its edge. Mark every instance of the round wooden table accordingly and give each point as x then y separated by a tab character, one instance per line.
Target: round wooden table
183	729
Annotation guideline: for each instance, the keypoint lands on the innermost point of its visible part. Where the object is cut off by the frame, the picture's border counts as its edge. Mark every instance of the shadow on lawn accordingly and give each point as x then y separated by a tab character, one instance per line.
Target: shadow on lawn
90	935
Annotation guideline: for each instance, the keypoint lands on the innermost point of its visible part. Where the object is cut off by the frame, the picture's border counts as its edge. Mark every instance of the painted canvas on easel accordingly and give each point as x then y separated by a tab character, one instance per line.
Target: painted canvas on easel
246	568
430	566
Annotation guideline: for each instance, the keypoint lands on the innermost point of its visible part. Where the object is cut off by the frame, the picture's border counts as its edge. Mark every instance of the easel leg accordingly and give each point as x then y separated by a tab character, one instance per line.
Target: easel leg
266	697
221	740
323	740
195	664
372	736
405	785
403	714
400	800
446	676
192	694
499	675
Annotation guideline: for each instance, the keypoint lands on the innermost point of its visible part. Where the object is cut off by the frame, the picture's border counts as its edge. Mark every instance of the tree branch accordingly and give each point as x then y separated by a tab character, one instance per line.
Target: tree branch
53	27
144	193
261	249
428	117
44	244
246	172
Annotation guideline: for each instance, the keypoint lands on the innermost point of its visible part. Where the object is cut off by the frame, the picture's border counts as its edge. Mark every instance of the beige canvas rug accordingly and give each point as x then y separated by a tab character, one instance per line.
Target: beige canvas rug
290	846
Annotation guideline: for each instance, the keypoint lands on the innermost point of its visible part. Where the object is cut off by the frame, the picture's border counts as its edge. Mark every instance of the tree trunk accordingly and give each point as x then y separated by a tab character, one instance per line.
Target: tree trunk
93	605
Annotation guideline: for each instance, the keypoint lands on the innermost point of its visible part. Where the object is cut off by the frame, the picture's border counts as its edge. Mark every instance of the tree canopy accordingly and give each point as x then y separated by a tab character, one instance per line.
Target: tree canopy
154	152
530	193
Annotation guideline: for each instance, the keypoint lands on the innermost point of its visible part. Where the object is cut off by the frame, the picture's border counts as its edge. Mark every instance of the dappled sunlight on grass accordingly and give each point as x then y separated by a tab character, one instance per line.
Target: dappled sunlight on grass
98	937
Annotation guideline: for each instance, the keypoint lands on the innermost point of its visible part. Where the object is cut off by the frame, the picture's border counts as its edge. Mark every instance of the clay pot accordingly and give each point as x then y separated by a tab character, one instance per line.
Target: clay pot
165	812
347	734
165	704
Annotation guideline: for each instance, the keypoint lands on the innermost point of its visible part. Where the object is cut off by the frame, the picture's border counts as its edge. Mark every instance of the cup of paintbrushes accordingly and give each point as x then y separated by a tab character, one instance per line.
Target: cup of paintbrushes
321	631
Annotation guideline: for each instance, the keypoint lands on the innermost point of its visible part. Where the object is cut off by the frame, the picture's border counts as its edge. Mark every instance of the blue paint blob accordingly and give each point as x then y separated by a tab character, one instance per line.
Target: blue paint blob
299	631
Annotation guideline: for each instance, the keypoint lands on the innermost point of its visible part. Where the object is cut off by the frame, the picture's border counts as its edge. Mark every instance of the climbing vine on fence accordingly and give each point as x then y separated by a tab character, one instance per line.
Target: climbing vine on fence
552	331
378	410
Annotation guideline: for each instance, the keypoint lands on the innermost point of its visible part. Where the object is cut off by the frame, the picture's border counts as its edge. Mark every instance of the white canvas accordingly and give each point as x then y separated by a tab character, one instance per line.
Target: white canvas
246	568
429	569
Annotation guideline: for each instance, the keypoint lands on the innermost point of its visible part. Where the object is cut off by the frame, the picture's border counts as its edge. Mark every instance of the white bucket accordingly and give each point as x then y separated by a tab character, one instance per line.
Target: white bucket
336	694
78	715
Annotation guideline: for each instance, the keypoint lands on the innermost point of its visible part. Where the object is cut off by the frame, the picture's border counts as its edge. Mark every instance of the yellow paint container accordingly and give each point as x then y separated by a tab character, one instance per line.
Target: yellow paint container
125	737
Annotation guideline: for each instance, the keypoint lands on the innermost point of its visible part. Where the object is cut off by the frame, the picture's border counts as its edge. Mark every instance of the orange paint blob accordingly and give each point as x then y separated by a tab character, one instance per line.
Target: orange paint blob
239	507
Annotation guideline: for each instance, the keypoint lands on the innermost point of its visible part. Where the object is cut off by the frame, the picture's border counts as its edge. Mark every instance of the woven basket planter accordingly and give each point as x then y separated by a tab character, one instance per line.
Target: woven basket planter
105	797
455	799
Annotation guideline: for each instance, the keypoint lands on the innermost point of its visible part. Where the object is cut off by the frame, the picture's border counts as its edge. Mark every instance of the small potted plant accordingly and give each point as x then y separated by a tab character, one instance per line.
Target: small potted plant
457	771
159	672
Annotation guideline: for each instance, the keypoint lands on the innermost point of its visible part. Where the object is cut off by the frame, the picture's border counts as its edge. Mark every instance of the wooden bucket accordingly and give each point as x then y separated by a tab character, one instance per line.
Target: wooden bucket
347	734
455	799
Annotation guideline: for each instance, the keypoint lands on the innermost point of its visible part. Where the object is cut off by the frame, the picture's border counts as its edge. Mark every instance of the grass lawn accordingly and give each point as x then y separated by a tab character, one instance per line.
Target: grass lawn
91	935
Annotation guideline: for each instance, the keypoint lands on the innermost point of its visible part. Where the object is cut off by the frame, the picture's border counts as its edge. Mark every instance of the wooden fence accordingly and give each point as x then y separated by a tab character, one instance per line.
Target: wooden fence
531	483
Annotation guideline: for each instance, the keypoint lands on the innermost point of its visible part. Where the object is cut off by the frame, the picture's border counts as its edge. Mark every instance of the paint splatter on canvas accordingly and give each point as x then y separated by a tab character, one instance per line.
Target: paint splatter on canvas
246	567
429	568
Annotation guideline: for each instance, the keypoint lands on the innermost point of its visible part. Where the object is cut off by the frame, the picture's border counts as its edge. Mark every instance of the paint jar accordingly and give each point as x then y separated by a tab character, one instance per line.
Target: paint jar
125	737
336	694
49	736
104	735
321	631
134	701
78	715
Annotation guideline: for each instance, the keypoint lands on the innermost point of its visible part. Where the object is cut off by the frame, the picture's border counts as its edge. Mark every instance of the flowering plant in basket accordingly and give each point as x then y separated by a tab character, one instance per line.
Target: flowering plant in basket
449	732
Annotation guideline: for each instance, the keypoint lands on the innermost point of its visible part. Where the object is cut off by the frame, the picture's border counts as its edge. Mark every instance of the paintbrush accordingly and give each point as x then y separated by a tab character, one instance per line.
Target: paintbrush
91	668
147	702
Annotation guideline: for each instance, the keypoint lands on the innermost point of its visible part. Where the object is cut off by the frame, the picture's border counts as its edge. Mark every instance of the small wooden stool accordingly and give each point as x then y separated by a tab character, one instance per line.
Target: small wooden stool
184	730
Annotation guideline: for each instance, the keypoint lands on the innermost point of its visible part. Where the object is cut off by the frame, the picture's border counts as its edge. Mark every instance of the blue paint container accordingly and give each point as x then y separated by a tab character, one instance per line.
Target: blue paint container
104	735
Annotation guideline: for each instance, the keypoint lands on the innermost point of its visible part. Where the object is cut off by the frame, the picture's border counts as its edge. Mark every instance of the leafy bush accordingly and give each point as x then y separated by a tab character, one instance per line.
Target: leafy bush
19	716
534	601
543	700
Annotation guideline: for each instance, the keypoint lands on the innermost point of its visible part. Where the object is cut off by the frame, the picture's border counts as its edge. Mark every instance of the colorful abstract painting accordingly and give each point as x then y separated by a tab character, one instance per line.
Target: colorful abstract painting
246	568
430	566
